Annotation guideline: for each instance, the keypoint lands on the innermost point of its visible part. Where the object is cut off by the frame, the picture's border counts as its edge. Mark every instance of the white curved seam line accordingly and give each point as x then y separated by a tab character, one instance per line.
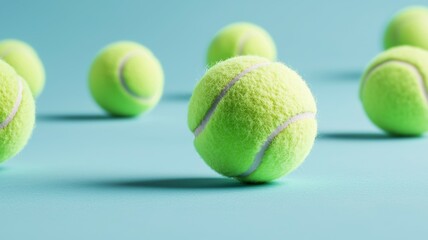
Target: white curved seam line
122	80
15	107
259	156
411	67
5	53
242	42
210	112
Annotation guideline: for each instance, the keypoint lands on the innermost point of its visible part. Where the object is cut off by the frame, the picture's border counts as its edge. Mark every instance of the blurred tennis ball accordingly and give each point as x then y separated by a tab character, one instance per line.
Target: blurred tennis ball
408	27
24	59
126	79
240	39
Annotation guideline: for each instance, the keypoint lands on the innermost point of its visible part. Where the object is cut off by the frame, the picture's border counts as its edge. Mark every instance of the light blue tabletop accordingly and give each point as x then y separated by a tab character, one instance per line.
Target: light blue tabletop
86	176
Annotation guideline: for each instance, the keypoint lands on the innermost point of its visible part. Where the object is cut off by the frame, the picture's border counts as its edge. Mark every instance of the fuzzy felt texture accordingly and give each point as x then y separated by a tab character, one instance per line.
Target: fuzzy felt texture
408	27
249	112
126	79
24	59
393	91
240	39
14	136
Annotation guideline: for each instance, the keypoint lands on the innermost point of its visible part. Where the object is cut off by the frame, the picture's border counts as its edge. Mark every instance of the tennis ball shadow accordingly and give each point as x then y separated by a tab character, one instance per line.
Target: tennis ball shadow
176	97
361	136
180	183
77	117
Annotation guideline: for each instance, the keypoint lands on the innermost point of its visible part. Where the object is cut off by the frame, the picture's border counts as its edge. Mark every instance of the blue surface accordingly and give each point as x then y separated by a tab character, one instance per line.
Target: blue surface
86	176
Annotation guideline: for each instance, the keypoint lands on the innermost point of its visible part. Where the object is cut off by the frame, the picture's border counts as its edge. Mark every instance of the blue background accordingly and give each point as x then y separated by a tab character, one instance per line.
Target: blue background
86	176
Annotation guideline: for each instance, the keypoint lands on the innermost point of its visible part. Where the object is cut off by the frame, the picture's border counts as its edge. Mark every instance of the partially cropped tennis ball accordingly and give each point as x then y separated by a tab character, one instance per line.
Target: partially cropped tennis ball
126	79
17	112
24	59
241	39
253	119
394	91
408	27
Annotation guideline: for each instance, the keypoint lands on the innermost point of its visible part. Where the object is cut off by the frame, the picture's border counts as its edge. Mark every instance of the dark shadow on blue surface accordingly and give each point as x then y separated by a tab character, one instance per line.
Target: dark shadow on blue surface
360	136
177	97
341	75
179	183
77	117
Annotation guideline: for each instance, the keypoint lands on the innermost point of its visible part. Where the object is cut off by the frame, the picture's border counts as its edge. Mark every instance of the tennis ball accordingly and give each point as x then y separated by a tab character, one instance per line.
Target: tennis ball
126	79
17	112
253	119
408	27
394	91
24	59
240	39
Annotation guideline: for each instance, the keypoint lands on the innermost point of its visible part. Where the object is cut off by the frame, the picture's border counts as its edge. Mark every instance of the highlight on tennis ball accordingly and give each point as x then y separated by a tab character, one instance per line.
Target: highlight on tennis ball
240	39
126	79
24	59
408	27
394	91
253	119
17	112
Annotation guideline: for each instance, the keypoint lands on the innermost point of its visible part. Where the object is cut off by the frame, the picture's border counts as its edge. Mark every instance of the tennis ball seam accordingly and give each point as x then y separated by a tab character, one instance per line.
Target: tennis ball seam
9	51
419	76
242	41
223	93
5	53
260	154
122	80
16	105
396	34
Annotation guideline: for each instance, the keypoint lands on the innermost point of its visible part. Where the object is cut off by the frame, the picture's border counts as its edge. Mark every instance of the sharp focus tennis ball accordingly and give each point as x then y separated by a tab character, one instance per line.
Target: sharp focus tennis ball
253	119
26	63
409	27
241	39
394	91
126	79
17	112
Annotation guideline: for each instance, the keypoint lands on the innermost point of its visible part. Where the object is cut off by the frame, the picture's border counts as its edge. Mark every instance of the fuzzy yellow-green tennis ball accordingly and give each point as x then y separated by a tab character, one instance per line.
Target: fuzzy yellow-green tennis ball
408	27
394	91
253	119
24	59
240	39
126	79
17	112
